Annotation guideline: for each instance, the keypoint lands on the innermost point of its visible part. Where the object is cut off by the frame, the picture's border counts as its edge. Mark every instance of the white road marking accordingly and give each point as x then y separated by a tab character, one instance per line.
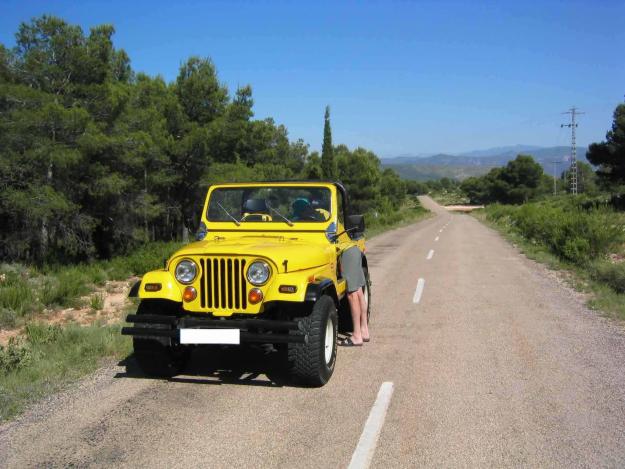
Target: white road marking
440	231
436	239
430	254
363	454
419	291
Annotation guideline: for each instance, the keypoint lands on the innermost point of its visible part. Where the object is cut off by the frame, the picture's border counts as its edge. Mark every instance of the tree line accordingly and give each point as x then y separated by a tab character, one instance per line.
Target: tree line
523	179
96	158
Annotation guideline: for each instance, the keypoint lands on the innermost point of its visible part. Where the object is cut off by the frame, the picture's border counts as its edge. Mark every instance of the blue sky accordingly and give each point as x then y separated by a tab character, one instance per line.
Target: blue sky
400	77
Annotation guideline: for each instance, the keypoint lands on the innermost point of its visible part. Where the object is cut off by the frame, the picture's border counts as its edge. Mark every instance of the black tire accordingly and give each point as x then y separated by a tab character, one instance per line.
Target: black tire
157	356
307	361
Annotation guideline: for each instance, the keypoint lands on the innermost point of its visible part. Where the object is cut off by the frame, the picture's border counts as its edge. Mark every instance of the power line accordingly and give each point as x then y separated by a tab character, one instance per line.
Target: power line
573	125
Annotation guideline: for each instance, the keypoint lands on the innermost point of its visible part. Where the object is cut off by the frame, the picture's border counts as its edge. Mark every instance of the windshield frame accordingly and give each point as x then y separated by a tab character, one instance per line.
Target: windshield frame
276	223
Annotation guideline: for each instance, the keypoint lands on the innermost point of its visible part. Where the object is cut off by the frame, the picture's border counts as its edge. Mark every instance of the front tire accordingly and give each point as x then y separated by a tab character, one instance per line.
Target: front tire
312	363
157	356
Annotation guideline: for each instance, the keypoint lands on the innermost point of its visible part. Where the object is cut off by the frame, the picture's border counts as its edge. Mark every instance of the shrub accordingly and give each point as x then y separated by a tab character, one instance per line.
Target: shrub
613	275
97	301
64	287
8	317
41	333
16	295
572	233
14	356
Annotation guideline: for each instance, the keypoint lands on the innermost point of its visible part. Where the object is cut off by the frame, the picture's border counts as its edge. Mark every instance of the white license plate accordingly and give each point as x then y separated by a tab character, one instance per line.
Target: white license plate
210	336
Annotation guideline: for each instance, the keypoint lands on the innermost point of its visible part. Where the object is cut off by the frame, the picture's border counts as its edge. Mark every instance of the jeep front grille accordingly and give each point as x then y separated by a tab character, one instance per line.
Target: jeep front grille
223	284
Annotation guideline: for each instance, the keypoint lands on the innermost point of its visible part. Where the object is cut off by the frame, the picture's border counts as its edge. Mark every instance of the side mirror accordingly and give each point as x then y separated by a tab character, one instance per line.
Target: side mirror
201	232
356	225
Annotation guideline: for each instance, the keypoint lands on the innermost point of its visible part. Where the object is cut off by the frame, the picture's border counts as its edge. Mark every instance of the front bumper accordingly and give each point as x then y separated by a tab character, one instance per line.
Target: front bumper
167	328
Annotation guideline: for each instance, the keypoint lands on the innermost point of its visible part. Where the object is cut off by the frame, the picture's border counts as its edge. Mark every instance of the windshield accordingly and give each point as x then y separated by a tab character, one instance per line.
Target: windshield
277	204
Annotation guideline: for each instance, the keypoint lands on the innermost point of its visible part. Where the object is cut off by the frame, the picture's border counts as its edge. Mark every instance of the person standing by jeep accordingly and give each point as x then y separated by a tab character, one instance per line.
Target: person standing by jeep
351	266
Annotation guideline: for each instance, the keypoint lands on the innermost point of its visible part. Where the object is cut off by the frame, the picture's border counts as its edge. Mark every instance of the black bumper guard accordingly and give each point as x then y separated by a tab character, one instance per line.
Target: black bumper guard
273	332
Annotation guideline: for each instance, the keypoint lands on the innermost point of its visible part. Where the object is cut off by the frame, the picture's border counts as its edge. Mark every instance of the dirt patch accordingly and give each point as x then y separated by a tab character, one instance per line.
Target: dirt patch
462	208
7	334
616	258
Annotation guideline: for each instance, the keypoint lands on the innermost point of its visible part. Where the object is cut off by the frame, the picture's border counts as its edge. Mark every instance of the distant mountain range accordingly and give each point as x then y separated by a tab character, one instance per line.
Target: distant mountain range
477	162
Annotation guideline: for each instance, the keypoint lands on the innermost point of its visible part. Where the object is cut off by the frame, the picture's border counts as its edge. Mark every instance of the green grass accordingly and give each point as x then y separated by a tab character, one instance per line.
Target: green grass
26	291
97	301
50	357
571	237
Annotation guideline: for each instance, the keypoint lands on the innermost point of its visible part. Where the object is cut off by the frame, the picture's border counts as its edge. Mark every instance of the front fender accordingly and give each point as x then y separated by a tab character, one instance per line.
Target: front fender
169	288
315	290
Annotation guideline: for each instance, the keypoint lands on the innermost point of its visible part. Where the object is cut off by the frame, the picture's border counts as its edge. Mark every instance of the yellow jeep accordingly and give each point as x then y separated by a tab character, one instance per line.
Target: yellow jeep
265	269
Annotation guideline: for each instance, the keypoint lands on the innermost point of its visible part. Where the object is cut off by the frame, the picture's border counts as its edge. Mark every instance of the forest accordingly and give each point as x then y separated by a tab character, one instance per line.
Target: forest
97	159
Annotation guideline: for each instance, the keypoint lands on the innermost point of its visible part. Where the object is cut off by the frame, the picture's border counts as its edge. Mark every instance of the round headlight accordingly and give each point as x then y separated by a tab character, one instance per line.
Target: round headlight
258	273
186	271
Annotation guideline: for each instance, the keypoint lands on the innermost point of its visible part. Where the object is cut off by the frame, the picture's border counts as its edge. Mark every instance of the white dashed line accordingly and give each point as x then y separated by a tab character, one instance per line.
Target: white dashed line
363	454
440	231
430	254
436	239
419	291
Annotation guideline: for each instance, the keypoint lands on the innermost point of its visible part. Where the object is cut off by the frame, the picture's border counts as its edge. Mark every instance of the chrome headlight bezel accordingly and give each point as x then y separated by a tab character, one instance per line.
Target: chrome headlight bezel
266	268
190	267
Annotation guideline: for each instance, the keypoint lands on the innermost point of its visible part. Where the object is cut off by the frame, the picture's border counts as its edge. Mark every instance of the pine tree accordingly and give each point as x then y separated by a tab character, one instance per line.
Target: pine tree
610	155
328	165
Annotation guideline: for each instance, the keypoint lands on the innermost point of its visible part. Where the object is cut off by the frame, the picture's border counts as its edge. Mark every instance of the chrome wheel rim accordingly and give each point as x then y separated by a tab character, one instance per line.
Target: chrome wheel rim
329	343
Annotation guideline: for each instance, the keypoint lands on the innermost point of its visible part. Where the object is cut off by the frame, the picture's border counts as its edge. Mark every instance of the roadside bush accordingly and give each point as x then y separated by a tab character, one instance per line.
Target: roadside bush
65	287
14	356
8	317
97	301
568	231
42	333
16	295
612	275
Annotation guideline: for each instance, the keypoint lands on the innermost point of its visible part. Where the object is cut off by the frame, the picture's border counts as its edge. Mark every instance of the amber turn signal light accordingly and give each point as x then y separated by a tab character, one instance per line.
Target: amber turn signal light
255	296
152	286
189	294
287	289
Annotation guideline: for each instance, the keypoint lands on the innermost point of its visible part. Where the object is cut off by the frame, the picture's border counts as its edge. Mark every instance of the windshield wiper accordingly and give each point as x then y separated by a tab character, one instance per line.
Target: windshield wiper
236	222
289	222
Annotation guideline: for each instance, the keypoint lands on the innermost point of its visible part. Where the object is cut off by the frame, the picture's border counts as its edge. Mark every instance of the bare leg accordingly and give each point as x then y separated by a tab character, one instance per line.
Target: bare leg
364	326
354	306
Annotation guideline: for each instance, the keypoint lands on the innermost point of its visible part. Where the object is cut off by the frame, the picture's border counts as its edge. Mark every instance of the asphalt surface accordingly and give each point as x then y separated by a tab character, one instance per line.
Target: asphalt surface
494	364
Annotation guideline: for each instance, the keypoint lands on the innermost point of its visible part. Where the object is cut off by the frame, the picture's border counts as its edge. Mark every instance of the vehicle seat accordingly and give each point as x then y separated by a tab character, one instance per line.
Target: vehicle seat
255	210
255	206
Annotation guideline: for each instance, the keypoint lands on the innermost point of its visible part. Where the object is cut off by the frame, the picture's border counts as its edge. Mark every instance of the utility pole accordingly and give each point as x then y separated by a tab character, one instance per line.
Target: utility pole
573	125
555	170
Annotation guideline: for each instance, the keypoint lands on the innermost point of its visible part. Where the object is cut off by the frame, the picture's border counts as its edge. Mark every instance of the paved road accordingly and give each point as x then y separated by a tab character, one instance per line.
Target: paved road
493	363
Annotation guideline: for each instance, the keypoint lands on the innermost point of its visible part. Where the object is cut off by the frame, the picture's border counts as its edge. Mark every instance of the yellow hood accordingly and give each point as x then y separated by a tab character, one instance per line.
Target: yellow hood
300	254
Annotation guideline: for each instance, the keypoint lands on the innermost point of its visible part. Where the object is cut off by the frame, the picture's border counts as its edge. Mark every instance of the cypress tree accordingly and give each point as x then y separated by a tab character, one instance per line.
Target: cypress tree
328	165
